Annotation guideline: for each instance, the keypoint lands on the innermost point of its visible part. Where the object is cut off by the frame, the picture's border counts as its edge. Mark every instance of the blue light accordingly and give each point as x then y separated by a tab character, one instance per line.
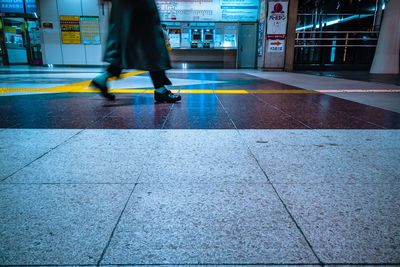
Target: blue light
333	22
333	52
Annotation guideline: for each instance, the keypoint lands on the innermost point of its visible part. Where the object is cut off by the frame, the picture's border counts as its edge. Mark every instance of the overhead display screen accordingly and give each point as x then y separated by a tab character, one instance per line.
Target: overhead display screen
208	10
12	6
17	6
30	6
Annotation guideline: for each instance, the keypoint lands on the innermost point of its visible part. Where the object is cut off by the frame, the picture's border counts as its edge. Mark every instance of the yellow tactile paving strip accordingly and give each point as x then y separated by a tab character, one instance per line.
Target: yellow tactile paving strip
82	87
71	89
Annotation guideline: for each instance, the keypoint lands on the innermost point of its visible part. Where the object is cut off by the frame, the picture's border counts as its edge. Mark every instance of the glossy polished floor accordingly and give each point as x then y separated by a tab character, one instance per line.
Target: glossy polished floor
250	169
211	100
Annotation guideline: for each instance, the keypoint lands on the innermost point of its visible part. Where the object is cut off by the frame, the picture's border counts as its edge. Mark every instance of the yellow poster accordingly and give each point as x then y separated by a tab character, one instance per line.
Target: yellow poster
10	29
70	29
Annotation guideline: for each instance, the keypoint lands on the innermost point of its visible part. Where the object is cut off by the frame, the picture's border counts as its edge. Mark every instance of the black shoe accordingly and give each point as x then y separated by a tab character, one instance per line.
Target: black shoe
167	96
100	83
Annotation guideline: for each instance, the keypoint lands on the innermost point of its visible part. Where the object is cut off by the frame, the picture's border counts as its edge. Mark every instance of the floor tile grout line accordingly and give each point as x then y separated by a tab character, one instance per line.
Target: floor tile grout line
44	154
166	118
126	204
227	114
115	227
53	148
281	200
276	192
280	110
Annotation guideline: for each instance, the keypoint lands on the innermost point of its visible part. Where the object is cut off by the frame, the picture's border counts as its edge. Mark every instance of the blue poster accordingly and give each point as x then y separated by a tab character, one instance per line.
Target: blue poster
11	6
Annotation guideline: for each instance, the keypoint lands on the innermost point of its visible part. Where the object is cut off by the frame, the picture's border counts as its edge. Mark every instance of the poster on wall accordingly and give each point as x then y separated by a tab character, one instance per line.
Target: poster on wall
90	29
260	38
277	20
70	30
208	10
174	38
262	10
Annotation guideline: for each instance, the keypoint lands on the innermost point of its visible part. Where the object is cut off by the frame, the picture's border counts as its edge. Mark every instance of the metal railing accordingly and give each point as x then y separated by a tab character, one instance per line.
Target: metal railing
336	38
335	47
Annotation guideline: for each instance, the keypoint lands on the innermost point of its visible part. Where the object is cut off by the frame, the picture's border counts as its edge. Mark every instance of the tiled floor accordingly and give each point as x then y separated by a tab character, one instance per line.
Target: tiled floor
249	169
359	76
211	100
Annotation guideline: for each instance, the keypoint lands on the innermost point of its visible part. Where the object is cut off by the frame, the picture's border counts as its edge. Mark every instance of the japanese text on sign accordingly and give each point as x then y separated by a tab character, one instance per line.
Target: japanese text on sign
276	46
70	29
277	19
90	30
12	6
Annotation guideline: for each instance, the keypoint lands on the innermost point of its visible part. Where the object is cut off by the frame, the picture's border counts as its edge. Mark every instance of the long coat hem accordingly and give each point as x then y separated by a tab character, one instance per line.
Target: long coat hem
135	37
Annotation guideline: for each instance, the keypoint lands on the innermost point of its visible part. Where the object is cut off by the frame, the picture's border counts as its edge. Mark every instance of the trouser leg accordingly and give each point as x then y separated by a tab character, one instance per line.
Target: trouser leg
114	70
159	79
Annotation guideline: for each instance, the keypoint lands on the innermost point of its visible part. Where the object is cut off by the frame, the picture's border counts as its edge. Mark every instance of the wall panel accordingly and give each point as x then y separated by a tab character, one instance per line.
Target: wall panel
94	55
54	52
51	40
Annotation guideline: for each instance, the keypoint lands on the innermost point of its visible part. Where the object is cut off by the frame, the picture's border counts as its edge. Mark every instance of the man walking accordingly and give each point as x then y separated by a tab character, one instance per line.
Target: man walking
136	41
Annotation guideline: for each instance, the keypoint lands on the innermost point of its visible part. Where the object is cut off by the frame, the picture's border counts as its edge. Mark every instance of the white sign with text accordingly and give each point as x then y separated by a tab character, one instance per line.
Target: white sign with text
277	18
276	46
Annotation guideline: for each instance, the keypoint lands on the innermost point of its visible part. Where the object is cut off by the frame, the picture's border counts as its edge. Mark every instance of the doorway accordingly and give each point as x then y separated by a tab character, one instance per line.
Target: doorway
247	45
20	41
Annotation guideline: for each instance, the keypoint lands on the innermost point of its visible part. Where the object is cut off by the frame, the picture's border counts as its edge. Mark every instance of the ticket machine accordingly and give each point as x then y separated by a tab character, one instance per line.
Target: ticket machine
208	41
196	38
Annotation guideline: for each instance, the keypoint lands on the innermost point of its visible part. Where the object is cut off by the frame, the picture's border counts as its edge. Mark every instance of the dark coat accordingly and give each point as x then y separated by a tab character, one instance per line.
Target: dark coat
135	37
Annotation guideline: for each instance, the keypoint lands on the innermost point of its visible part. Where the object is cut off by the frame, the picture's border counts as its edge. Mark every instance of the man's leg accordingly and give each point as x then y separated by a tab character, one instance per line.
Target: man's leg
161	93
114	70
101	81
112	52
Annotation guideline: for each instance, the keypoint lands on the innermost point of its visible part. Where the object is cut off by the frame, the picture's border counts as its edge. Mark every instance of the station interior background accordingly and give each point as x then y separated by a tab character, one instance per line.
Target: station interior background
284	149
329	35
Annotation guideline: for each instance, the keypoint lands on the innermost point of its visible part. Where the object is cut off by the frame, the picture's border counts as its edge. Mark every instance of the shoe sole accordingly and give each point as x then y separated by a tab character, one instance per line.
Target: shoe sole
167	101
103	90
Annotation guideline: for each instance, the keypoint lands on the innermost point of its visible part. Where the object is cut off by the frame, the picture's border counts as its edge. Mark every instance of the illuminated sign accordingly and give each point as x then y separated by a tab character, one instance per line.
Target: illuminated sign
208	10
30	6
12	6
47	25
17	6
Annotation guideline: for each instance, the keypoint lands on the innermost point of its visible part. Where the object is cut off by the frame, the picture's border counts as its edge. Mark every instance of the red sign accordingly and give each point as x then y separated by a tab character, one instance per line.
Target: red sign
278	8
276	36
47	25
276	43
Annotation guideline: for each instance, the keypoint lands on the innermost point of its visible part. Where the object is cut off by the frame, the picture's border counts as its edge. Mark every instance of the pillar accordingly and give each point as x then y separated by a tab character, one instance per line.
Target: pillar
386	59
291	34
378	15
275	43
